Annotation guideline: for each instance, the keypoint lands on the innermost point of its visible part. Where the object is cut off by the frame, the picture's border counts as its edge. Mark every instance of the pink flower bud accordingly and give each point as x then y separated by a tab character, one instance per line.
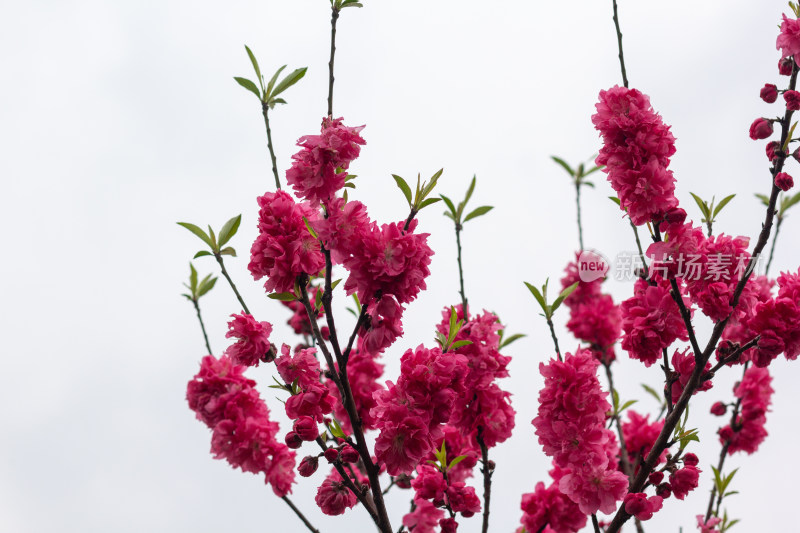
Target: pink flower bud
785	66
448	525
690	459
306	427
664	490
772	150
769	93
308	465
349	454
655	478
761	128
792	100
403	481
784	181
293	440
331	454
718	409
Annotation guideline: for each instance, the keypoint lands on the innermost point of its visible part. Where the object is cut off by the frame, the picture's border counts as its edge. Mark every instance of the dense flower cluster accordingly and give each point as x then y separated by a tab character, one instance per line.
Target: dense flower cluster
549	507
319	170
683	364
242	433
313	399
363	372
484	404
594	318
636	149
456	496
651	322
640	434
410	414
253	340
333	496
571	429
777	322
748	432
788	41
284	248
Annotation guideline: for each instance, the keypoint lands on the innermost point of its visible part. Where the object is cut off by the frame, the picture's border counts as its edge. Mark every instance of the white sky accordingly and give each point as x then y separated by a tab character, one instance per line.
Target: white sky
120	118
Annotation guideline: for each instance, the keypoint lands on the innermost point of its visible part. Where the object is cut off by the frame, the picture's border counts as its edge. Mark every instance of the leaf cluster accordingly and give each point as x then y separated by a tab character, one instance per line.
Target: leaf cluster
456	212
419	199
198	289
214	242
579	173
541	297
449	342
267	92
709	210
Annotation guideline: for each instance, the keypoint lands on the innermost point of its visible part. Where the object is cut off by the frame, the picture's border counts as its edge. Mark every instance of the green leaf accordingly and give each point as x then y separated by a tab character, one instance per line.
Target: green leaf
763	197
335	283
201	253
309	228
538	296
275	101
564	165
255	66
292	78
229	230
615	200
428	202
511	339
449	203
626	405
722	204
651	391
282	296
789	137
249	85
470	190
197	231
192	279
615	400
352	311
791	201
592	170
588	184
564	295
458	344
228	251
702	205
272	81
455	461
478	212
401	183
336	429
206	285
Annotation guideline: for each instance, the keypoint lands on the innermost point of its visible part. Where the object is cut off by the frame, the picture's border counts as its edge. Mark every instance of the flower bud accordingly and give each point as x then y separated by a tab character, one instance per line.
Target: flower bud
769	93
690	459
308	465
403	481
655	478
773	150
785	66
306	427
349	454
664	490
718	409
784	181
792	100
293	440
761	128
448	525
331	454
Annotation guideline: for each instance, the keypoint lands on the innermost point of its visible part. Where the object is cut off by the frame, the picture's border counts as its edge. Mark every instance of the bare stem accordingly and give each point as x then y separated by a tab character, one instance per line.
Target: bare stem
461	273
555	339
578	206
487	470
619	44
774	240
218	257
265	112
334	18
202	326
300	515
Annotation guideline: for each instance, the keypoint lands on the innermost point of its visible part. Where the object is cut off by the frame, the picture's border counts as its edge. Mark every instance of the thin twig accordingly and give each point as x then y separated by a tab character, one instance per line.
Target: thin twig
578	206
265	112
461	273
218	257
619	44
334	18
774	240
487	470
300	515
555	339
202	326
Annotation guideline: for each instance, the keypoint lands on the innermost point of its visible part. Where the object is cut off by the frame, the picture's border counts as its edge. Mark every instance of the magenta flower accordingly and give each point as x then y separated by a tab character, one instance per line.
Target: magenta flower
769	93
761	128
333	497
253	340
642	507
788	41
784	181
755	392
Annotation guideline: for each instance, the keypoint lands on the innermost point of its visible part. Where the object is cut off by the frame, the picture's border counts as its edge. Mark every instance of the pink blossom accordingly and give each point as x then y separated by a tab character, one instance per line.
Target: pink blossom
306	428
769	93
651	321
636	149
308	465
784	181
318	170
462	499
718	409
389	260
217	382
302	367
640	435
343	227
788	41
761	128
684	480
384	326
792	99
284	248
363	372
424	518
683	363
755	392
773	149
595	489
315	401
448	525
333	497
429	484
281	472
550	506
253	340
402	444
709	526
642	507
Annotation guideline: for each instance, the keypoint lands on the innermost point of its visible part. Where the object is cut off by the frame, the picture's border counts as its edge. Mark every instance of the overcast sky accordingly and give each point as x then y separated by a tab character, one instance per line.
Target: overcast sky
118	119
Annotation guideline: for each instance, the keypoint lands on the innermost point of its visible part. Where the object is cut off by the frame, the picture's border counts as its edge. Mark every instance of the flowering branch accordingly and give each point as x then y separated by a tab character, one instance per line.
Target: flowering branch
334	17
